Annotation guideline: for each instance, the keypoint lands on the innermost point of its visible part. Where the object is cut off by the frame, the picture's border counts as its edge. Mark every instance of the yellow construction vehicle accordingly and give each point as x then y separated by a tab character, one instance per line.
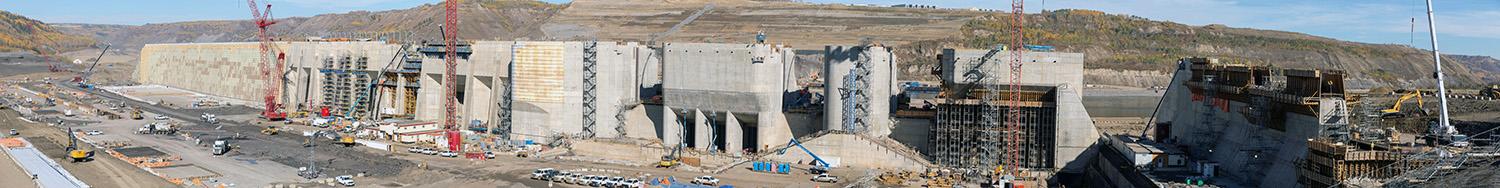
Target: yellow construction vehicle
671	159
298	114
270	130
668	162
135	114
1395	111
1493	91
76	153
345	140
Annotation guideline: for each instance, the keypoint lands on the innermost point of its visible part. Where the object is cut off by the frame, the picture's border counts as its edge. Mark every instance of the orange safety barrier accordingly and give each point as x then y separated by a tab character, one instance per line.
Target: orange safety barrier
12	142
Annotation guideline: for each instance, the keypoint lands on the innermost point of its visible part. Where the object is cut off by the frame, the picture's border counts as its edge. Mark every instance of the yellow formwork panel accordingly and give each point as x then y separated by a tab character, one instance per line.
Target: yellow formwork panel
539	72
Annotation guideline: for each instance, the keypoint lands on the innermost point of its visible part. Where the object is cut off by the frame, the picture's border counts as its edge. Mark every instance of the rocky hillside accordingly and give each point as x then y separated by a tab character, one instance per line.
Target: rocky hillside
1123	42
1487	67
492	20
1121	49
18	33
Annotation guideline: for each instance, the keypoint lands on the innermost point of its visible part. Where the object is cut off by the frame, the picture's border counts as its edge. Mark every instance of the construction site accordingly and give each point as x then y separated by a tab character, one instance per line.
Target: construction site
391	109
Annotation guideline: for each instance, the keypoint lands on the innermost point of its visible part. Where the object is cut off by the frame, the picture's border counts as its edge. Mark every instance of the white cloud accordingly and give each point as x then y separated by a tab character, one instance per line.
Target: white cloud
1478	24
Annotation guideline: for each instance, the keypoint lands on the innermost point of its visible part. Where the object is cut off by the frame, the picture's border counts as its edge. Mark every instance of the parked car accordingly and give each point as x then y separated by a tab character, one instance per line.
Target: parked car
94	132
414	150
161	117
825	178
632	183
489	155
706	180
597	181
429	151
346	180
573	179
614	182
543	174
448	154
561	176
584	180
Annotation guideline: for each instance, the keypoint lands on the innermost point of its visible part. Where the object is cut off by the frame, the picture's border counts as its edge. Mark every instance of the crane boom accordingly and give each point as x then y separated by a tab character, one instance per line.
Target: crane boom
269	68
90	71
83	78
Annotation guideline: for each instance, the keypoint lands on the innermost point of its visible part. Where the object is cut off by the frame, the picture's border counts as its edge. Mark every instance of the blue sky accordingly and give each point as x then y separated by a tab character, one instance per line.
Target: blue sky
1464	26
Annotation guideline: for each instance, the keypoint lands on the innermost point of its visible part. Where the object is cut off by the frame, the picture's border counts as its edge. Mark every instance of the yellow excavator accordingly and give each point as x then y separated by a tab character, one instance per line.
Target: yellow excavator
1395	111
76	153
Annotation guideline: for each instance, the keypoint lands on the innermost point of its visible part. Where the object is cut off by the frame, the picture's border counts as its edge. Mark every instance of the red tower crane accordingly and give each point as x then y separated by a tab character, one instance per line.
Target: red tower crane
450	75
270	71
1013	114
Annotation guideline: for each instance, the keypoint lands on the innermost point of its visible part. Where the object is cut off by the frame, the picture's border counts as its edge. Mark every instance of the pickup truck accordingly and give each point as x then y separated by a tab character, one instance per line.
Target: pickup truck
706	180
825	178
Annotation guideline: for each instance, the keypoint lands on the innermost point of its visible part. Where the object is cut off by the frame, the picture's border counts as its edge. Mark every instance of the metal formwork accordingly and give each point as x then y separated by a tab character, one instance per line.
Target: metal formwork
965	136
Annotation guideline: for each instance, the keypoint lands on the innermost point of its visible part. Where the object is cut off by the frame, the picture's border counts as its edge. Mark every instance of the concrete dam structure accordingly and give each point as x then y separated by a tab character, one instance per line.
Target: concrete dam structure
708	97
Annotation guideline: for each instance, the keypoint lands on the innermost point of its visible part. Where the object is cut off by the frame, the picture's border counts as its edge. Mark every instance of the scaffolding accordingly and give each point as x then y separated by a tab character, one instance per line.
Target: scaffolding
1212	129
855	94
345	85
967	136
590	88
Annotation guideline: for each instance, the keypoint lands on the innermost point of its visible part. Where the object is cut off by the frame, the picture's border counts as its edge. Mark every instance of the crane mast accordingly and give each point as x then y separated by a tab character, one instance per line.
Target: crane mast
1013	101
450	75
269	70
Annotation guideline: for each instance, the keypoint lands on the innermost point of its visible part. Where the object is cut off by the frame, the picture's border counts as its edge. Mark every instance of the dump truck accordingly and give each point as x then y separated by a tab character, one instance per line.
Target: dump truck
221	146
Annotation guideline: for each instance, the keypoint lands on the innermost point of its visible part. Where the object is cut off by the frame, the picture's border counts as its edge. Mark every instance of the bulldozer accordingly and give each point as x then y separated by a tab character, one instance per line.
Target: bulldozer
76	153
1395	111
270	130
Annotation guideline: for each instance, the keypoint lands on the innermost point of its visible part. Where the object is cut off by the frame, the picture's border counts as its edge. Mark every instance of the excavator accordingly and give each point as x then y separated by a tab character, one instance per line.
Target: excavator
675	157
1395	111
76	153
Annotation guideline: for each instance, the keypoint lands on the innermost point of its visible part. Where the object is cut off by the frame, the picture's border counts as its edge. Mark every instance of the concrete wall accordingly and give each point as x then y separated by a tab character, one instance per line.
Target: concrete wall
845	150
550	100
304	59
1038	68
747	80
1236	136
838	62
223	69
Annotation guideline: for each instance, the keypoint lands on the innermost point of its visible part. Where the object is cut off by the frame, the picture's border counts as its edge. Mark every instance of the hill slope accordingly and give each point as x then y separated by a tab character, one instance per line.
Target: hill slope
1122	42
491	20
18	33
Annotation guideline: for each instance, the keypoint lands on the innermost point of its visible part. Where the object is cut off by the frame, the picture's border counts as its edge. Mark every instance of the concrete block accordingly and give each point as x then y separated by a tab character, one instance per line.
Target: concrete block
772	130
701	131
671	127
734	135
